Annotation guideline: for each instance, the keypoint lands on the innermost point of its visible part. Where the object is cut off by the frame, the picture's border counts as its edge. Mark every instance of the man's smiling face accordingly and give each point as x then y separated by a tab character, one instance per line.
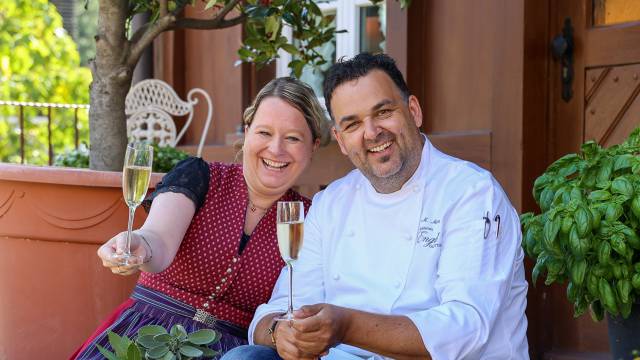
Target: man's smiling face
377	129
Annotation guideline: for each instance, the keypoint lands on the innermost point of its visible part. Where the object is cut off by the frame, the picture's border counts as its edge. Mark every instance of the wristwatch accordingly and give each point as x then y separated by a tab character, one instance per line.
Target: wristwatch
272	331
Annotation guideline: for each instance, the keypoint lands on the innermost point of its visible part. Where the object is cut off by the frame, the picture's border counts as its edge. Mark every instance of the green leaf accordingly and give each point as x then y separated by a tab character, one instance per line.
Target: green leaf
635	206
290	49
297	66
613	212
604	173
190	351
576	194
608	297
618	245
162	338
596	217
169	356
625	309
599	195
622	186
148	341
272	25
151	329
133	353
206	352
582	217
597	311
106	353
567	222
604	253
178	331
546	198
635	281
538	268
590	149
550	232
592	285
623	286
202	337
157	352
578	246
622	162
118	344
578	271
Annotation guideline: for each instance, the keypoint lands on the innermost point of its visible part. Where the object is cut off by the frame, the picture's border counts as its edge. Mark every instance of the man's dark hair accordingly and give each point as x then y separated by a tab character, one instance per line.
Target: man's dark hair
347	70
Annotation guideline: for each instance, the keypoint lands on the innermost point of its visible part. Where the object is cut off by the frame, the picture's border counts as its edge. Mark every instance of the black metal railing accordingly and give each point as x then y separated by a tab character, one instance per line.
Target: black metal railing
49	115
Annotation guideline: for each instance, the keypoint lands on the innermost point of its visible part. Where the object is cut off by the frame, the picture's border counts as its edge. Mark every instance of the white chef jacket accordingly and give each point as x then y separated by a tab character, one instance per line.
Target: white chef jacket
433	251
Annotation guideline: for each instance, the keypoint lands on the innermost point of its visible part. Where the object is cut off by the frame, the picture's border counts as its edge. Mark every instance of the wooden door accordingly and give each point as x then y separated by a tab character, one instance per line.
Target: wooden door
465	65
604	106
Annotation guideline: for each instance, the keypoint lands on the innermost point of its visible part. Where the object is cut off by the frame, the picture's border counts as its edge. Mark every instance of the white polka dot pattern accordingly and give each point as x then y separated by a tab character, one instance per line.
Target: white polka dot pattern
205	263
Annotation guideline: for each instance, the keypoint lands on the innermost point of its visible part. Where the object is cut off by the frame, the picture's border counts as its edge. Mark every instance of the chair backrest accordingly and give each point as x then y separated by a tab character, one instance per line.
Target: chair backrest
150	105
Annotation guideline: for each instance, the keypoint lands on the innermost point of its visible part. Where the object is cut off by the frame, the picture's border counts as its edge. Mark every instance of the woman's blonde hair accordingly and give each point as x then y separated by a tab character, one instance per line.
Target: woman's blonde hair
300	96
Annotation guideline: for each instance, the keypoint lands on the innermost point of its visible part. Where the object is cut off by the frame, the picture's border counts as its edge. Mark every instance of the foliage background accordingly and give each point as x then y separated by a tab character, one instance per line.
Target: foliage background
87	25
39	62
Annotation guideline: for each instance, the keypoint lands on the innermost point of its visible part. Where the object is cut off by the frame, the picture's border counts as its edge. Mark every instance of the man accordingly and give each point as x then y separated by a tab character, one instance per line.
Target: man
414	255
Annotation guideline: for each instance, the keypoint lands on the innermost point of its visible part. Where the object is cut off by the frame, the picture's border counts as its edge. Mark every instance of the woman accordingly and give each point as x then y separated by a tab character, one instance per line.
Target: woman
209	241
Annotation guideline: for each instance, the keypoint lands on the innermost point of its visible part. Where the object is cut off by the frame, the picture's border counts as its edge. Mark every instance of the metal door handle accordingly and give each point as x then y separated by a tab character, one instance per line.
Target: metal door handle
562	50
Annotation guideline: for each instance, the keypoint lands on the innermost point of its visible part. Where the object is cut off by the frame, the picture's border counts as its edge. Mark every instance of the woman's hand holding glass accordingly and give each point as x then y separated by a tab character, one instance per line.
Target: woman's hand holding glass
116	244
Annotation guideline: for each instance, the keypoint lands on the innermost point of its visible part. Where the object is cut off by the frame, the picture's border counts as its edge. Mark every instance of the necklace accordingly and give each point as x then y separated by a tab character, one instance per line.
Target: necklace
253	207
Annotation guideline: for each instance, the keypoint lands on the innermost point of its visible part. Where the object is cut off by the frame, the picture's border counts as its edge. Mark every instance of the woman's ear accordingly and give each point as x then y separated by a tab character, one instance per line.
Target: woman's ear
316	145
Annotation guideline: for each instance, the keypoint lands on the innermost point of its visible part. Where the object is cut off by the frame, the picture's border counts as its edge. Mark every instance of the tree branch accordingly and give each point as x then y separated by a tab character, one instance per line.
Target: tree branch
163	8
226	9
145	35
138	34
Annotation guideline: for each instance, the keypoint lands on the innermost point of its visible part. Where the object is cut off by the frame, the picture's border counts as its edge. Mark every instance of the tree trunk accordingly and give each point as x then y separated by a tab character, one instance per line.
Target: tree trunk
107	121
111	82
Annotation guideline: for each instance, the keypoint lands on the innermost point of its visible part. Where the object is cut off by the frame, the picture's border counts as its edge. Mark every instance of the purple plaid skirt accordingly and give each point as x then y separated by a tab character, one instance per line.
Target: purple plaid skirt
154	308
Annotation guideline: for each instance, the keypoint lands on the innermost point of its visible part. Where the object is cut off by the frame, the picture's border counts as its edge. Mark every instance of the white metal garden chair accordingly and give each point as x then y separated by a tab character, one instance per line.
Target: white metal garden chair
150	105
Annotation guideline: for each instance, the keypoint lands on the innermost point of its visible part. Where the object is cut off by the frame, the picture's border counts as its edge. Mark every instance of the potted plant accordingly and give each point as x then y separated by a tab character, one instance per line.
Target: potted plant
587	235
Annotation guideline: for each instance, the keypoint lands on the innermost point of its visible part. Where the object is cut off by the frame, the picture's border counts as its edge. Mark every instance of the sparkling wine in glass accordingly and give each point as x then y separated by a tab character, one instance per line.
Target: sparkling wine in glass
290	229
135	181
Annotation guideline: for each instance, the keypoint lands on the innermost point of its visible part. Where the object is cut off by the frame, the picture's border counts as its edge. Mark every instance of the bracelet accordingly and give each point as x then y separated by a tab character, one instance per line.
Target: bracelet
146	260
272	332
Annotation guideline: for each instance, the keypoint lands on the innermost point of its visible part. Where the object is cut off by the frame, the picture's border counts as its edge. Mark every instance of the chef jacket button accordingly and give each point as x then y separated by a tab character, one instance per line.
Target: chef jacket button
336	277
416	188
351	232
398	284
358	186
408	237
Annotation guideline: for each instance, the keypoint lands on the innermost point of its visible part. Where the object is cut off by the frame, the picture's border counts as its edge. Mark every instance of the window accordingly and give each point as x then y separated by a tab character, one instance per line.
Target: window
366	31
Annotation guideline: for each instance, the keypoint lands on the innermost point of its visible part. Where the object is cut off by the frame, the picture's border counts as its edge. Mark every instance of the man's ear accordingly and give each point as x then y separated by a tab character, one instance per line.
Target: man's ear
339	139
415	110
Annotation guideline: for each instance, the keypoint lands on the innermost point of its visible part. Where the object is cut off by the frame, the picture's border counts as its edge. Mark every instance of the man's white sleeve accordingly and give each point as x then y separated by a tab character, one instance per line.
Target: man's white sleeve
474	274
308	283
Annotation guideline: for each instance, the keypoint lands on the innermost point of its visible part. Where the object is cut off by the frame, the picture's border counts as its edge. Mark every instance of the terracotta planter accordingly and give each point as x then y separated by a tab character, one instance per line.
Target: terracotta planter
53	288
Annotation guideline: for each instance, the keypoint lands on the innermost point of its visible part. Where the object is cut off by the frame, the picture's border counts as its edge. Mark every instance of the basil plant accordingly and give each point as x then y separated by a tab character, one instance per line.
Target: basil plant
587	232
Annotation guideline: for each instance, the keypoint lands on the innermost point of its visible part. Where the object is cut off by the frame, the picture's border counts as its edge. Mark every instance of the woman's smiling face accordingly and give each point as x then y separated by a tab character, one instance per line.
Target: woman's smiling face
277	147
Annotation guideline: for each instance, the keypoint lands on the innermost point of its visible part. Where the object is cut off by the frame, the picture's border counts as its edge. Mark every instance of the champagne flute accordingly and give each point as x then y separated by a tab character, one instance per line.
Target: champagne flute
290	226
136	173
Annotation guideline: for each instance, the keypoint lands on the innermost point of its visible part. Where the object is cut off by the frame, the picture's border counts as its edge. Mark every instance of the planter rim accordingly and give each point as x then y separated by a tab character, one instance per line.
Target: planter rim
66	176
